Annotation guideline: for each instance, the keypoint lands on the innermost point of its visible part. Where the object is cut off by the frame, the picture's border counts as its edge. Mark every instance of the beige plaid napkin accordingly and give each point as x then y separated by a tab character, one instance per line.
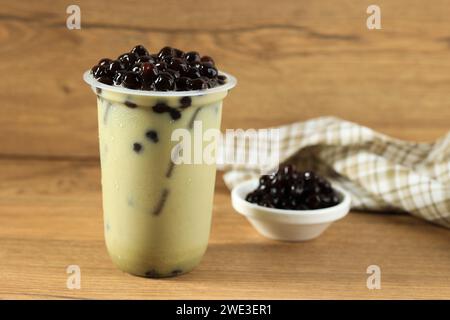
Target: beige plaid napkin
381	173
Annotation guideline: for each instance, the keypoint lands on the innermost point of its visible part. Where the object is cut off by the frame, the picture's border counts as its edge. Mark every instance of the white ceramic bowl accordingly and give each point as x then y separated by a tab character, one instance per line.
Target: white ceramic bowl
287	225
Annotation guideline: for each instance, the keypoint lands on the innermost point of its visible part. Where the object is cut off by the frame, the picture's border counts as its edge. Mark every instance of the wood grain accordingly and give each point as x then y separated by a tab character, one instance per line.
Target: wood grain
51	218
294	60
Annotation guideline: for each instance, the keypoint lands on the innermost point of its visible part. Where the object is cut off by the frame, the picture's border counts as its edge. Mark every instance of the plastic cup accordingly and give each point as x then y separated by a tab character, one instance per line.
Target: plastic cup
157	214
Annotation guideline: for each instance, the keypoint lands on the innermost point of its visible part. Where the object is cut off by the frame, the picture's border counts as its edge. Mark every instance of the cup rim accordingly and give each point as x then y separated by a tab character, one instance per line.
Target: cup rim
89	79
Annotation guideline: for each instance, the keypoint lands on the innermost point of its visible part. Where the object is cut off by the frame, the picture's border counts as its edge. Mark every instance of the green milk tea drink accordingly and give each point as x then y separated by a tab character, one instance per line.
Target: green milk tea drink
157	214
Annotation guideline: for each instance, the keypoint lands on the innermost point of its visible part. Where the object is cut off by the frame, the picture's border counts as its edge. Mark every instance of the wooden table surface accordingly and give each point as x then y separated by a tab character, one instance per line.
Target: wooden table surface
294	60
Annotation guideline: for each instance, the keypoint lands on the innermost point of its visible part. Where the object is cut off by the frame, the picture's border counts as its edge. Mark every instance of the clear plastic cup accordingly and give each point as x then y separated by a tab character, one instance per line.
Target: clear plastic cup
157	214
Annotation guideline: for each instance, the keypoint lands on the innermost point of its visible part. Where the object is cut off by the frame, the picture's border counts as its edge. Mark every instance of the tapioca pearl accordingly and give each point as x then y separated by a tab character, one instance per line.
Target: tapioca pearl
137	147
106	80
130	104
100	71
132	80
152	274
178	53
165	52
175	114
115	66
140	50
192	56
176	272
221	79
104	61
199	84
137	67
178	64
183	84
98	90
149	72
164	82
208	59
127	59
161	107
207	70
147	58
152	135
193	73
185	102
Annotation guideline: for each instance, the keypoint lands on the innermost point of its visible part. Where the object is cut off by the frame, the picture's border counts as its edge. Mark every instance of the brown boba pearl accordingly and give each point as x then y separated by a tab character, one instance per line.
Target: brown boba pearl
132	80
147	58
207	59
193	73
104	61
161	66
175	114
173	73
199	84
152	274
178	53
161	107
192	56
221	79
100	71
115	66
130	104
137	67
208	71
185	102
165	52
148	86
177	64
127	59
183	84
139	50
106	80
149	74
152	135
137	147
164	82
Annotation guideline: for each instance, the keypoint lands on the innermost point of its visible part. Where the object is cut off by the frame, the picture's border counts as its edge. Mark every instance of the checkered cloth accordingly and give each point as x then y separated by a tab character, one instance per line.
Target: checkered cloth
381	173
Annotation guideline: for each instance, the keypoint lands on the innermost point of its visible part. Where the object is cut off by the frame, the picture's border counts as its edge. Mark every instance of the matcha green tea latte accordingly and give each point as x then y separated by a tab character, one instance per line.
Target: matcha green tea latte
157	214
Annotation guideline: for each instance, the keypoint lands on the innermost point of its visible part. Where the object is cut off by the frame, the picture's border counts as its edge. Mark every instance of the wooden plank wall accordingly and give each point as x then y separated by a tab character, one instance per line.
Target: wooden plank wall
294	59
